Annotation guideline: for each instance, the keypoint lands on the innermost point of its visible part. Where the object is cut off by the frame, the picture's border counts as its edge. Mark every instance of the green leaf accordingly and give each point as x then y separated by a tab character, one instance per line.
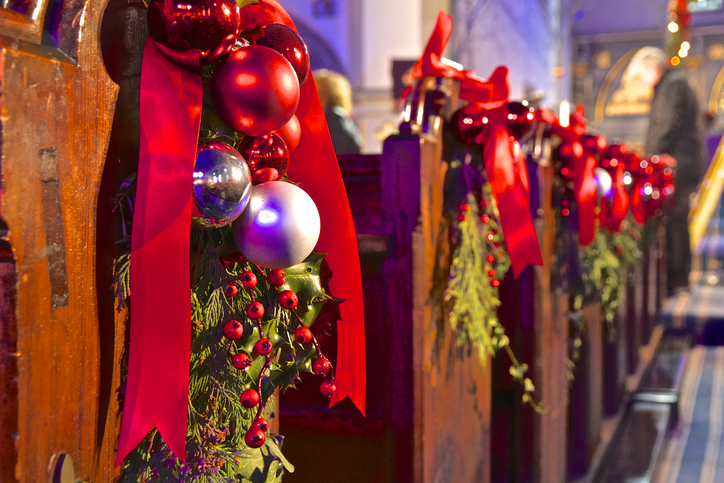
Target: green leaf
244	3
304	280
277	452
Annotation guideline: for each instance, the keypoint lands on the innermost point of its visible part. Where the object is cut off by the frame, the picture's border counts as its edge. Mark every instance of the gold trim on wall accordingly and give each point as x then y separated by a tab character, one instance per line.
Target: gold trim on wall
608	82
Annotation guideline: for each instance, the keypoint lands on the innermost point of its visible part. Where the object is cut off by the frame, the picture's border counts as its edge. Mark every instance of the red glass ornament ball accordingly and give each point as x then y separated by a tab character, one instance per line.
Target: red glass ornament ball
194	33
240	360
288	43
249	398
463	207
467	123
495	283
255	90
485	218
291	133
321	366
521	119
255	311
303	335
261	424
254	438
491	273
461	217
248	280
277	277
491	259
233	329
328	388
288	300
267	157
231	290
263	347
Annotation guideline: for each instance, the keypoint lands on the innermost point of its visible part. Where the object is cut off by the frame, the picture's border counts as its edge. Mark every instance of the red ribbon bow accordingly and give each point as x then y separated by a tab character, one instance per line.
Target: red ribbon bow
653	184
158	368
612	214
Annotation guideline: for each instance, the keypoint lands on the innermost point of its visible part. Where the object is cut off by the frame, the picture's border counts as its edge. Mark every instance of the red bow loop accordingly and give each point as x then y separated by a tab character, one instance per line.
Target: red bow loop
613	213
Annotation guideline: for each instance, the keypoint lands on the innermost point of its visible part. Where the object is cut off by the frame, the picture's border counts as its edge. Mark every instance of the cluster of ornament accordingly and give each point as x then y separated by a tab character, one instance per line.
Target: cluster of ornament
255	90
469	124
234	330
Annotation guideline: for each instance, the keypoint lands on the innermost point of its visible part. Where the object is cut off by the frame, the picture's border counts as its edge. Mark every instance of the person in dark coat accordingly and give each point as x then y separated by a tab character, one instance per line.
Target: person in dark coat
676	134
335	94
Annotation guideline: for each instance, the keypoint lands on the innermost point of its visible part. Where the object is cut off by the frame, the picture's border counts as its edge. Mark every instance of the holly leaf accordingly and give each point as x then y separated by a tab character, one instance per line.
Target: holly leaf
274	450
244	3
304	279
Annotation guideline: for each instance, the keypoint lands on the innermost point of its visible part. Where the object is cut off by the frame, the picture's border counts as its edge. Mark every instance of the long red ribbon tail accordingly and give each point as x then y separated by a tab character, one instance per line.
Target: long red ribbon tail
508	177
586	199
160	347
619	207
314	166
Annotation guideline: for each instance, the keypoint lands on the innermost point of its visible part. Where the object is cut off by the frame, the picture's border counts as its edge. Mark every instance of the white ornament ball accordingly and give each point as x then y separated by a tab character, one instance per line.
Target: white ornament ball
280	226
604	183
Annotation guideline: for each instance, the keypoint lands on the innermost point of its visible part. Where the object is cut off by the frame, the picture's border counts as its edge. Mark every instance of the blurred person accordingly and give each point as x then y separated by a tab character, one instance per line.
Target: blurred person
336	96
676	134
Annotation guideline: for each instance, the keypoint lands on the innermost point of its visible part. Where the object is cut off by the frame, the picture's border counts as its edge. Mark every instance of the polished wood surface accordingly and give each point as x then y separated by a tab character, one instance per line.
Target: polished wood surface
56	119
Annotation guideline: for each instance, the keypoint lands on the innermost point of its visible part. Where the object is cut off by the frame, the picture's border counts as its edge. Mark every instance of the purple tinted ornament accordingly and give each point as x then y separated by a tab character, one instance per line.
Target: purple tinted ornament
194	32
222	184
467	123
288	43
267	157
521	120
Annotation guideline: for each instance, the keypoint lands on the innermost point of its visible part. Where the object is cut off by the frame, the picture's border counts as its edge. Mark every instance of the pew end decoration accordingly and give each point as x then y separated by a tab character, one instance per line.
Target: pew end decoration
229	264
486	190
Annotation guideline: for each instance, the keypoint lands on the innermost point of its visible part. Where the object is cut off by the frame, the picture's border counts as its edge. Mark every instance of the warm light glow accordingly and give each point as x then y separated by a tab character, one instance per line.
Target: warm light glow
685	45
673	27
675	61
564	114
683	53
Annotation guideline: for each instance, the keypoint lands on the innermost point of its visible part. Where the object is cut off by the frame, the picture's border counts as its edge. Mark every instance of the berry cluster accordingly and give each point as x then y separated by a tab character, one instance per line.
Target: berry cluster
255	310
490	232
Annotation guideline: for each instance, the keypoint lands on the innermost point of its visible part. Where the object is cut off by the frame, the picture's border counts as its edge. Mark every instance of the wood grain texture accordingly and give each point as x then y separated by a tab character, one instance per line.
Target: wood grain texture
52	106
551	350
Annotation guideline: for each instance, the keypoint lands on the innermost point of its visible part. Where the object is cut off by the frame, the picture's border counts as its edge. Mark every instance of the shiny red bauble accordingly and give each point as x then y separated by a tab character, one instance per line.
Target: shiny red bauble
248	280
255	90
303	335
277	277
261	424
288	300
467	123
249	398
263	347
231	290
321	366
594	142
233	330
328	388
267	157
255	311
288	43
521	119
194	33
291	133
570	150
240	360
495	283
255	438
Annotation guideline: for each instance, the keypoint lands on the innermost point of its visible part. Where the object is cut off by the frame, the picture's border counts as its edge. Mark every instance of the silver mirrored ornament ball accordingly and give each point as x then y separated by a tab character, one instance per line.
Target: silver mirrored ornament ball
604	183
222	184
280	227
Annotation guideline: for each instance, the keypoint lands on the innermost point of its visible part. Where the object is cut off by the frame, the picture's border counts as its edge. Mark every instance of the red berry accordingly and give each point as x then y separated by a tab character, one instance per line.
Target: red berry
463	207
288	300
226	262
277	278
491	259
485	218
231	290
249	398
248	280
254	438
233	329
255	310
461	217
263	347
260	424
240	360
495	283
321	366
327	388
491	273
303	335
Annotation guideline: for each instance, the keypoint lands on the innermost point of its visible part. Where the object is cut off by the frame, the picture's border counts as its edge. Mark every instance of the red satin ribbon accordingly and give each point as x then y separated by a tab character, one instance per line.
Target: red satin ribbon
314	166
613	214
157	382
